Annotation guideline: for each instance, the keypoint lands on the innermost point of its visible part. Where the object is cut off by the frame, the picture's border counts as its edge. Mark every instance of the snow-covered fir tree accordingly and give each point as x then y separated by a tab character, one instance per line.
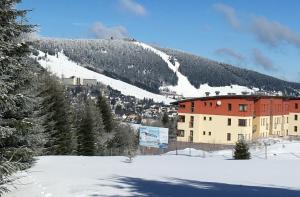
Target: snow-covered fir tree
56	108
241	150
90	130
105	109
20	133
125	140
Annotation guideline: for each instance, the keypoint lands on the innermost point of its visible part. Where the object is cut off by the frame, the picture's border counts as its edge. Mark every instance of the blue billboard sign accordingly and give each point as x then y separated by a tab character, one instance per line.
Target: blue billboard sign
156	137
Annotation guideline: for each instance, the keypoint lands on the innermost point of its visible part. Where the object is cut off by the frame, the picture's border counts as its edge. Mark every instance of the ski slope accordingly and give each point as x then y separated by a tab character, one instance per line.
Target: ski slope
184	87
63	66
165	175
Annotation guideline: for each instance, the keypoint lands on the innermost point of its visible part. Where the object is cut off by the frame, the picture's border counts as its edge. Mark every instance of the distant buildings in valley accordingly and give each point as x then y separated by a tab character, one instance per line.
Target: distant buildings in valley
76	81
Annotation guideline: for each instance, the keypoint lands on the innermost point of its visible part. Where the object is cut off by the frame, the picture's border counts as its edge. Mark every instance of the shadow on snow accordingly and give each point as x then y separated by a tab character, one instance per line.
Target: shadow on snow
188	188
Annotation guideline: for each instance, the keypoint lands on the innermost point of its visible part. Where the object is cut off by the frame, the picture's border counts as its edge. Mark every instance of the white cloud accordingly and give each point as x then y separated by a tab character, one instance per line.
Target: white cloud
133	7
230	53
99	30
229	13
270	33
273	33
263	61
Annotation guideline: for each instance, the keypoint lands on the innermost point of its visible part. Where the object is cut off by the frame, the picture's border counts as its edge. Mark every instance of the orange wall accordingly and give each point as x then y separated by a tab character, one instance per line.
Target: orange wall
274	106
292	108
260	107
213	109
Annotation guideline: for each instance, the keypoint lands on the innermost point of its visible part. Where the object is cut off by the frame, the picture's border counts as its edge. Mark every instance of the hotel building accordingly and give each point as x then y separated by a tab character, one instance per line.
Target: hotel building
227	119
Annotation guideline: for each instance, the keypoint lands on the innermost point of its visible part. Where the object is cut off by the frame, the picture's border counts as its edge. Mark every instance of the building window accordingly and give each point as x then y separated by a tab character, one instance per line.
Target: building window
192	107
228	136
242	122
229	107
287	119
203	132
229	122
243	107
182	106
210	118
191	136
181	118
78	81
205	104
180	133
295	128
296	117
210	104
209	133
191	122
204	118
241	137
296	105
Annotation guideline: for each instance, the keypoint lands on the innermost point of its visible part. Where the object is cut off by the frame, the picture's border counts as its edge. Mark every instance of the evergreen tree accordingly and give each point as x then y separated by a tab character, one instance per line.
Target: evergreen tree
89	130
125	140
241	150
19	131
165	119
172	125
107	116
57	122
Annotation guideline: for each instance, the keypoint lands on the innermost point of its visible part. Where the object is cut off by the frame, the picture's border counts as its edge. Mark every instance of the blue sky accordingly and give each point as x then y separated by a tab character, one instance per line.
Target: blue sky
260	35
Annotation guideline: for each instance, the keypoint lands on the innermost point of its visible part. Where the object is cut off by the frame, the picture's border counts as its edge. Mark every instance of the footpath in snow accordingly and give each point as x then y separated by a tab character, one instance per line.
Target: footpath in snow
165	175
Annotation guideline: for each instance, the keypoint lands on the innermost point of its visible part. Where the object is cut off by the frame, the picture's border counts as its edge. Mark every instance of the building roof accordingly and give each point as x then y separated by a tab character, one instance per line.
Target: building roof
250	97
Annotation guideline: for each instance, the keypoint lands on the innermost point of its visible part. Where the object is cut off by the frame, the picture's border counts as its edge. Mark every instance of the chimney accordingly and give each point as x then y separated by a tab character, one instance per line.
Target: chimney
217	93
207	93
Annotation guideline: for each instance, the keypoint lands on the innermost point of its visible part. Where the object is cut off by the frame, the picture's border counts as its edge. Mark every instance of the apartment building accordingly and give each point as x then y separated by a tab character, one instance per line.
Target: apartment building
77	81
227	119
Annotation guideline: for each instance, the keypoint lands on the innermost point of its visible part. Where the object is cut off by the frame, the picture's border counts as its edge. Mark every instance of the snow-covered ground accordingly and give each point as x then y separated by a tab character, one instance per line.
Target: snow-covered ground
277	149
165	175
63	66
184	87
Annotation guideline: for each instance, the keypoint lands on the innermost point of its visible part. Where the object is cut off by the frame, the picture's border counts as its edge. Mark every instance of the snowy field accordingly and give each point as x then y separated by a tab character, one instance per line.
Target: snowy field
166	175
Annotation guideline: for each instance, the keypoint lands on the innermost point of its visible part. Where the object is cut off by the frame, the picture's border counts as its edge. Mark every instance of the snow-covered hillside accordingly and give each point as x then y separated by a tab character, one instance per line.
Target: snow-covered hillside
184	87
62	66
166	175
153	68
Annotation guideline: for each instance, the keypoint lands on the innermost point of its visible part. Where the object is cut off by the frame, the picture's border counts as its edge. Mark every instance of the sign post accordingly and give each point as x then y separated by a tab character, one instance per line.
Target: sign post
155	137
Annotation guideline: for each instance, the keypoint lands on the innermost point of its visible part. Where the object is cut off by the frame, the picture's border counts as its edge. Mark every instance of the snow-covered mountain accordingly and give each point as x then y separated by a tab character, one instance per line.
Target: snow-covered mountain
184	86
62	66
146	70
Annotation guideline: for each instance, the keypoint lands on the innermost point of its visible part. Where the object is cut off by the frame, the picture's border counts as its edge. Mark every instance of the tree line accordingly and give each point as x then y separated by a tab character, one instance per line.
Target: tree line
37	114
81	126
